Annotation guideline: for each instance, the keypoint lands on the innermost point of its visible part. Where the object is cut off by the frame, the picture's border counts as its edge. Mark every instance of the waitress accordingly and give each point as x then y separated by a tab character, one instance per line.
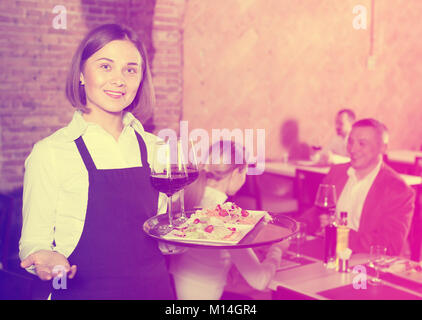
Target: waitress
87	190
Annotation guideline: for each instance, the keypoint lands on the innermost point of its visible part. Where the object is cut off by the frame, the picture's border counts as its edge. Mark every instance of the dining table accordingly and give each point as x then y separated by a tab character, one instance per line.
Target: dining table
405	161
288	169
304	276
403	156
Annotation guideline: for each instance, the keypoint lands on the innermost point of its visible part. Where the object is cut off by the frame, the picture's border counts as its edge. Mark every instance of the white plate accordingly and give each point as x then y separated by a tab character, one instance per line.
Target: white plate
244	229
305	163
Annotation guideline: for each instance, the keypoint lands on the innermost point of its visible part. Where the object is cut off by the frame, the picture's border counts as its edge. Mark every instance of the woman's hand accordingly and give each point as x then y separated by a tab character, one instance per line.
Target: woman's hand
276	251
283	245
49	264
169	249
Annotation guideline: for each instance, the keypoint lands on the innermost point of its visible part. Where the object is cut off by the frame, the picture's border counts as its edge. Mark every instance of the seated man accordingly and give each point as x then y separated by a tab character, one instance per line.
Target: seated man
336	150
378	202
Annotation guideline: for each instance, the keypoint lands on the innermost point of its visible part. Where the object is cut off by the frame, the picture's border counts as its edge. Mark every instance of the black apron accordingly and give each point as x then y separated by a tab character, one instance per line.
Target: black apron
114	258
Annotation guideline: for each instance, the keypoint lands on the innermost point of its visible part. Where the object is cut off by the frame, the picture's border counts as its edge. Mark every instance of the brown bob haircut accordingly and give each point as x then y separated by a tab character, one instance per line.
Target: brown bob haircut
96	39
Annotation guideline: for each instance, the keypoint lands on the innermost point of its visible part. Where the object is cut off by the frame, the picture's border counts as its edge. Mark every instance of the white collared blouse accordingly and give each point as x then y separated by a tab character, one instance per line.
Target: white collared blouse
56	184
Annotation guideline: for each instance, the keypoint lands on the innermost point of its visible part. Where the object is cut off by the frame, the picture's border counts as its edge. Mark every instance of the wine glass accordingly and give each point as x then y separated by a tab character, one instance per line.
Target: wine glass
190	155
168	175
377	257
326	198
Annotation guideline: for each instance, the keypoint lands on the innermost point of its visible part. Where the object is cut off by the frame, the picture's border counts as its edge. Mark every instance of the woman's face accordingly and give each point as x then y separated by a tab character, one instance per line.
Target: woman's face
111	76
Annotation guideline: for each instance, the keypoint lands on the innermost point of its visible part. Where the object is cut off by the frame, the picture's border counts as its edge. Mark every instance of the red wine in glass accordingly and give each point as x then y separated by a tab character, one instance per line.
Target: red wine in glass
169	185
326	198
192	175
168	175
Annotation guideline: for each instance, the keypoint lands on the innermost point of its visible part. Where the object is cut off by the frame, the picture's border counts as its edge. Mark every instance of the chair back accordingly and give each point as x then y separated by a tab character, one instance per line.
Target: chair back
6	209
18	286
306	187
415	233
417	168
249	194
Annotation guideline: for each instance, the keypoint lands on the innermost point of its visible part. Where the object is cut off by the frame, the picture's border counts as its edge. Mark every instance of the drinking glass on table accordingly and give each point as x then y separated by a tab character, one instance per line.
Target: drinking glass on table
377	257
191	159
168	175
299	239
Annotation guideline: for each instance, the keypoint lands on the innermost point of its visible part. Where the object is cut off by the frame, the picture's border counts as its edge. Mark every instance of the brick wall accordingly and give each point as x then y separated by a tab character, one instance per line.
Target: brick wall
165	46
35	59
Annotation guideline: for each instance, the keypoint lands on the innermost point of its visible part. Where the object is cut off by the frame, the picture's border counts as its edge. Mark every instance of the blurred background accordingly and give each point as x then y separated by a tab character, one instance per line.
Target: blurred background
222	64
245	64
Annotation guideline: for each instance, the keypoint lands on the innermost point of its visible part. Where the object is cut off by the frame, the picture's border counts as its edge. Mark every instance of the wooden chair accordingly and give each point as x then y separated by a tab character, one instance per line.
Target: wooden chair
415	233
16	286
398	166
306	187
277	193
269	192
417	168
248	196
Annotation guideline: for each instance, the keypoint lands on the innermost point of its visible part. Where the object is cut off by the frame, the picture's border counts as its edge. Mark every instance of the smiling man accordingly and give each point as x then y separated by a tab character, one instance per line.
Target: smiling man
378	202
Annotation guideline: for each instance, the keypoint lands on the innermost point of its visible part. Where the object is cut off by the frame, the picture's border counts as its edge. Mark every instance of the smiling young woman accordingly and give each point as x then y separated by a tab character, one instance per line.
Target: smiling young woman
95	41
114	70
111	78
87	190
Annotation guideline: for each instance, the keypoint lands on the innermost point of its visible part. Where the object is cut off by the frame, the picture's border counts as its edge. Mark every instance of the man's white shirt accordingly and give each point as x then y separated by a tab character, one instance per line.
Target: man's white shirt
353	196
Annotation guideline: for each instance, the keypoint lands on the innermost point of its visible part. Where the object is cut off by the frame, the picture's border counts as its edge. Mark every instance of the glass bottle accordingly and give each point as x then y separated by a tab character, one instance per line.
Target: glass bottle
342	242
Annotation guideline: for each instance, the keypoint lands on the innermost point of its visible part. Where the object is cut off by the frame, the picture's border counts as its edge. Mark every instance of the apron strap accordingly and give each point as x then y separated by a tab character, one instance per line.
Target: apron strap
89	163
143	150
86	157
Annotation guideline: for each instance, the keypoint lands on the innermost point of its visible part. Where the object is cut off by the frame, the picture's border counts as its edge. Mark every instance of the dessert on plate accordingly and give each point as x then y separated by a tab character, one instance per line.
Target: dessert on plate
226	222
